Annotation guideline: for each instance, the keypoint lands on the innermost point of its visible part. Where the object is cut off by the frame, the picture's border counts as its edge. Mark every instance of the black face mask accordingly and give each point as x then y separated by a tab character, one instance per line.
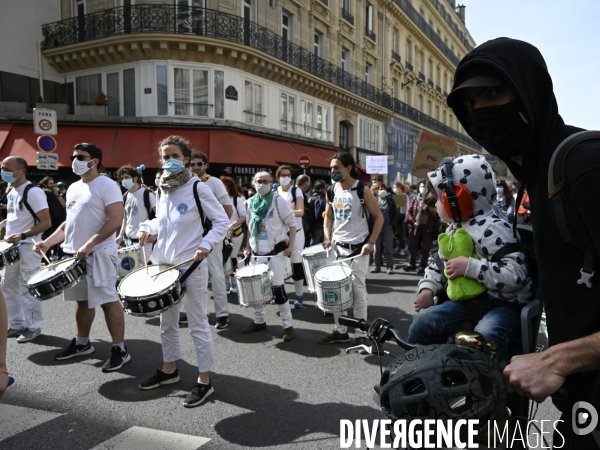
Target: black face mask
501	130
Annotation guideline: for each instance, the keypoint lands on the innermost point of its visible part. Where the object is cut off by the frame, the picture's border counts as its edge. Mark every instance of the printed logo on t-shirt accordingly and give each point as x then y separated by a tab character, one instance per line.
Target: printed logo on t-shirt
182	208
262	234
342	208
131	209
11	206
271	214
74	205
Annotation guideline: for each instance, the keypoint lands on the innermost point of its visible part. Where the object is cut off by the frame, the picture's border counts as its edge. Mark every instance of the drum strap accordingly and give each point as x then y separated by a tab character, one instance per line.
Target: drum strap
279	247
188	272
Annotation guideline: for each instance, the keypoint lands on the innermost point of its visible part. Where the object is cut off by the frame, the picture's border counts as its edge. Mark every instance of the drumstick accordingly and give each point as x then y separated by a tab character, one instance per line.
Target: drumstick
60	262
42	252
174	267
145	259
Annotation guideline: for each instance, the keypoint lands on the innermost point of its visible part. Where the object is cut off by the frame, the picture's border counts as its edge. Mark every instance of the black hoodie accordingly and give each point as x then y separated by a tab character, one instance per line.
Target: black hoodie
572	310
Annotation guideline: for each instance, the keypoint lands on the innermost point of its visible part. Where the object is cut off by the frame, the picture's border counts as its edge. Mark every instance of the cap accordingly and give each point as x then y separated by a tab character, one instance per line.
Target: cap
92	149
475	77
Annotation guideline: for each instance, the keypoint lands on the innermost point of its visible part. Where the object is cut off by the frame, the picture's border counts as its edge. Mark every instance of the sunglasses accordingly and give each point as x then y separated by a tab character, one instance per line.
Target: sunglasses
259	182
79	157
197	164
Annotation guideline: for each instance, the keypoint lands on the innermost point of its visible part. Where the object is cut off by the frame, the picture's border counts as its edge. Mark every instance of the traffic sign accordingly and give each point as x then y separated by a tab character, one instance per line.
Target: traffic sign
47	161
44	121
46	143
304	161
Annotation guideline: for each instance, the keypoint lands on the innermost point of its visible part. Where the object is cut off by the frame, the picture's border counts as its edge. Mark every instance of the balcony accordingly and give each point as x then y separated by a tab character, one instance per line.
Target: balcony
430	83
325	2
438	89
396	57
370	34
421	76
410	67
347	16
455	28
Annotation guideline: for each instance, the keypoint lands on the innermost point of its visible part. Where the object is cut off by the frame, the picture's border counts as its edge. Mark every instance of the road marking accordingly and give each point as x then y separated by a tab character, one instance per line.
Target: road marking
16	419
149	439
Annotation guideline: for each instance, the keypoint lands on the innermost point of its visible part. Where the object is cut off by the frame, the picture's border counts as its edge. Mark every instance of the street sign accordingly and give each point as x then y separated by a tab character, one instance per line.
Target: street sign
304	161
46	143
44	122
47	161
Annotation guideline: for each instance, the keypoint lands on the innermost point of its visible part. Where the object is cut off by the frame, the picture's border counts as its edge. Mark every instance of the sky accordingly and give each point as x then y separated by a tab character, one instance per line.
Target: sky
567	33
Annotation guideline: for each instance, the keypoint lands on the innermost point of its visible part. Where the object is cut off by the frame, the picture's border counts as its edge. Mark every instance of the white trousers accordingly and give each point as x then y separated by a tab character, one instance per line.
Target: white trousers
196	303
217	280
297	258
276	274
237	244
359	268
23	309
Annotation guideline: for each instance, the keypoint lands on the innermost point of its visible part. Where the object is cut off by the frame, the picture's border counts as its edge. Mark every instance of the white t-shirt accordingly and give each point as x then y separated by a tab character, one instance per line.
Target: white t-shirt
218	188
290	198
136	211
86	211
349	225
19	220
240	211
274	227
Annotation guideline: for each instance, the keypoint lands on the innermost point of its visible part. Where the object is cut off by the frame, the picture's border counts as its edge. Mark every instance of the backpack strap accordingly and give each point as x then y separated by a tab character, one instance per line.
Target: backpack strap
199	206
26	203
555	186
147	202
514	247
235	204
360	192
330	194
294	195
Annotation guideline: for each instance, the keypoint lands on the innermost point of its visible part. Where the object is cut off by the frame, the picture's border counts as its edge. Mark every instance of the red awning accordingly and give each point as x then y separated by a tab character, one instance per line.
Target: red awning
135	146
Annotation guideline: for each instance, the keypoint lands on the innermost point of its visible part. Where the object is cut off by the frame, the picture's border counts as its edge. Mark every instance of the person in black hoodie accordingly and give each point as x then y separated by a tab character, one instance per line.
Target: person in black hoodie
503	97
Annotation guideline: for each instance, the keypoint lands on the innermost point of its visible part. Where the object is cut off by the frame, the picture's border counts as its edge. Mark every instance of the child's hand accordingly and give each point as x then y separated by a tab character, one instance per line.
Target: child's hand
457	267
424	300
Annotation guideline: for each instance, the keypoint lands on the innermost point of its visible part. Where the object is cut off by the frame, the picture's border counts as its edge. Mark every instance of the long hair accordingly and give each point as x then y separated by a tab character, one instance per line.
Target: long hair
231	186
180	142
347	160
281	169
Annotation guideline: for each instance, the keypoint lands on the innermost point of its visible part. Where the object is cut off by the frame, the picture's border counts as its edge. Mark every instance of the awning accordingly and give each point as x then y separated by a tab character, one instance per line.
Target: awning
135	146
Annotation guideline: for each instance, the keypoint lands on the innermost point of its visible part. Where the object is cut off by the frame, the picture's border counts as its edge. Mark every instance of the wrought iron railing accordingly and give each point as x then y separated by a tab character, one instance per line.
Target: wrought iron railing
430	82
455	28
159	18
347	16
370	34
396	56
410	67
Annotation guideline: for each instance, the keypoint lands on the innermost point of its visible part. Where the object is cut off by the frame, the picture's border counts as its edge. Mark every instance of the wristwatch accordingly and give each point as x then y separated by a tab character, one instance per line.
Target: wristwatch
23	237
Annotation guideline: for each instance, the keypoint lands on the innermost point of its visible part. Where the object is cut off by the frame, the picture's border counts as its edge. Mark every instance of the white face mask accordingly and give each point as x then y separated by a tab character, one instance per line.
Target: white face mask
422	190
382	194
284	181
395	190
263	189
80	167
375	184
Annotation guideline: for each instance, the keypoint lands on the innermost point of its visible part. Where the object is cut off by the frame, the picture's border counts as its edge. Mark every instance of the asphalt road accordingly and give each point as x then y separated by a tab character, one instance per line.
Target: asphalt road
268	394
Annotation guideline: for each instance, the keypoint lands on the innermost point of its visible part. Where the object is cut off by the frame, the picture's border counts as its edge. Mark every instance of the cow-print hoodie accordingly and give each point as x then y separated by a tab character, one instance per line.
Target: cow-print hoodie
506	279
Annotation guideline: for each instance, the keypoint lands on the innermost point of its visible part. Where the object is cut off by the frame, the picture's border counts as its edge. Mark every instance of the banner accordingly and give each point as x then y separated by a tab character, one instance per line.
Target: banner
430	151
377	164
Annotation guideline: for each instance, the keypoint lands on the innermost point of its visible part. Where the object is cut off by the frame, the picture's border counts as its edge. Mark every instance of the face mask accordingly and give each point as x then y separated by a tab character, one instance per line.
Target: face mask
421	190
395	191
80	167
173	165
501	130
127	183
284	181
336	176
263	189
376	184
499	191
9	177
382	194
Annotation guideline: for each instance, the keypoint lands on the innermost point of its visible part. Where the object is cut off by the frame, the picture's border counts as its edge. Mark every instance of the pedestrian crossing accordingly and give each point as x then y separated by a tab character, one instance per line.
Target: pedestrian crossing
17	419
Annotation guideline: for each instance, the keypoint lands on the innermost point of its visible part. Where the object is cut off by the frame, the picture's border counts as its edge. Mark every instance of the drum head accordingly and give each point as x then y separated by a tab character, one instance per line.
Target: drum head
131	248
251	270
334	272
142	284
313	250
46	273
5	246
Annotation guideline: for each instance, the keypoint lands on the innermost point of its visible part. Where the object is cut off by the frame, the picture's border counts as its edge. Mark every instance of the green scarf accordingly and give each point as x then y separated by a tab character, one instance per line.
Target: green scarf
381	201
259	208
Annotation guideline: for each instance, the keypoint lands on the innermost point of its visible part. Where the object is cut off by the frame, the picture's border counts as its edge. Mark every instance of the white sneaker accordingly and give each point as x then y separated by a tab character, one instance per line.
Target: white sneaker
402	252
27	335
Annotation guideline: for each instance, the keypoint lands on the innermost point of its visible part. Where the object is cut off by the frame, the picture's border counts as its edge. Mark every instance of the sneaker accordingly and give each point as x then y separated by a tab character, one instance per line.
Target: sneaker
74	350
409	268
334	337
288	334
402	252
12	332
198	395
390	271
362	341
254	327
183	320
159	379
234	289
222	322
27	336
299	303
272	302
376	270
420	270
116	360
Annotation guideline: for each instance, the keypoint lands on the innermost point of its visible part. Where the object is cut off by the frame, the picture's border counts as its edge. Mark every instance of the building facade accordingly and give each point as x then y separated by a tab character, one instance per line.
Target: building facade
280	77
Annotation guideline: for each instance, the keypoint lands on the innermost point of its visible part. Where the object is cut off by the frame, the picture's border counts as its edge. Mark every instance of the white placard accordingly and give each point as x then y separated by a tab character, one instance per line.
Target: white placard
44	122
377	164
47	161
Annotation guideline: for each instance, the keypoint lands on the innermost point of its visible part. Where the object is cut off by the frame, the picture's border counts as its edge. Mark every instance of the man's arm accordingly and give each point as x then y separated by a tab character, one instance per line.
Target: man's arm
44	223
327	225
228	210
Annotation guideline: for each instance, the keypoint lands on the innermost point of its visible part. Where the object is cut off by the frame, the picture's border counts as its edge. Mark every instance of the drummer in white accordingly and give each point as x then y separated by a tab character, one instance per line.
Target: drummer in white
28	216
94	214
237	224
346	226
270	220
181	236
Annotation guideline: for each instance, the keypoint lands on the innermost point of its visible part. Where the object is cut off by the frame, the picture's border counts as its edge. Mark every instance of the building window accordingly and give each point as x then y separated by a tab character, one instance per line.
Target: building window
395	40
438	76
429	108
430	76
162	92
88	88
307	117
421	104
193	94
219	94
422	62
112	94
369	17
437	112
254	102
346	59
287	33
368	135
182	92
408	51
446	81
407	96
129	92
318	44
369	73
444	117
344	136
322	122
288	112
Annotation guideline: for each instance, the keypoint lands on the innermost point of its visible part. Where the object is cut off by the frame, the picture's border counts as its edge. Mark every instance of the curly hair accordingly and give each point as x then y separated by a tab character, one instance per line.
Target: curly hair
129	170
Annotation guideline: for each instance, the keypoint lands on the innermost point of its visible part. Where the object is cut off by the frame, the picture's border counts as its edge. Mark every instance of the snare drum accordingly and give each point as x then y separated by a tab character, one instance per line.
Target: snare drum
313	258
254	285
51	281
9	254
143	295
334	287
130	260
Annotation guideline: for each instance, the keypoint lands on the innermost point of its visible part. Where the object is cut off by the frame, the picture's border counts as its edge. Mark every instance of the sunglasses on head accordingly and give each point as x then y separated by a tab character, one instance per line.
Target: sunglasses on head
79	157
197	164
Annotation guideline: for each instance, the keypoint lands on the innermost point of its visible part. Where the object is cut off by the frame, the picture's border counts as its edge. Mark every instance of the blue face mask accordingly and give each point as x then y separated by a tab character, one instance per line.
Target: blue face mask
173	165
127	183
8	177
499	191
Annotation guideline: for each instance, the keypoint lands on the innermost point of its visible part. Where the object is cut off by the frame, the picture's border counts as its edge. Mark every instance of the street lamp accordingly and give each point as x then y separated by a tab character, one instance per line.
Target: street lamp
419	81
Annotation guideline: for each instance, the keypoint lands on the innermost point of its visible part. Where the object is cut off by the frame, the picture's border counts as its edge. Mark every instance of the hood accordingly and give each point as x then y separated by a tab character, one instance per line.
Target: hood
475	173
524	70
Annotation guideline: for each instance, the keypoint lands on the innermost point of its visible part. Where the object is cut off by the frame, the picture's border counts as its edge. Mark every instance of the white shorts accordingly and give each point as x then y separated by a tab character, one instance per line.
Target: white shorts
94	295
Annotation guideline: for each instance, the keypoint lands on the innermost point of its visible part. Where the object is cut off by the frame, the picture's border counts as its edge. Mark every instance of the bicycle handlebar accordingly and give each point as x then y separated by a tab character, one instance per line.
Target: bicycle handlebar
377	329
360	324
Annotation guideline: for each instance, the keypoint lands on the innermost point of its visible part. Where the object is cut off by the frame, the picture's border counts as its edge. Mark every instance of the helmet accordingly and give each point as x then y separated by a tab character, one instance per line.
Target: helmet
445	382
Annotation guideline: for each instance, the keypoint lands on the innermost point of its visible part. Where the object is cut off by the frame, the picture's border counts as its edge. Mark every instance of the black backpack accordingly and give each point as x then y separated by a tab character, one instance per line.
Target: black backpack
360	192
149	210
57	212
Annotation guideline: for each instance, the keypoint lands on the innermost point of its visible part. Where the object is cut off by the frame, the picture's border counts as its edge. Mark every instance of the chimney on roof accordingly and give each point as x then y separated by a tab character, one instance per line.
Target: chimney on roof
460	10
